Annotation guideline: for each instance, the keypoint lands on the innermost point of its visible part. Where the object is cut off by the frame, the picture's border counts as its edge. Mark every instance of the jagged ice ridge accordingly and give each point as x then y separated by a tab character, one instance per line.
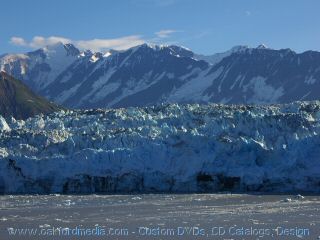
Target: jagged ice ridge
165	148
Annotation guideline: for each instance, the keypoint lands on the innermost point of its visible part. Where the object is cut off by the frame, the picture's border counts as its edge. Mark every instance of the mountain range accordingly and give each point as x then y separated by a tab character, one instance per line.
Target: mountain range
151	74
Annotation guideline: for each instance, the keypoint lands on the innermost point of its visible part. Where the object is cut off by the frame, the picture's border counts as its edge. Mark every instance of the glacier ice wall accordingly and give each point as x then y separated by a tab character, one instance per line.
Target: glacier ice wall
165	148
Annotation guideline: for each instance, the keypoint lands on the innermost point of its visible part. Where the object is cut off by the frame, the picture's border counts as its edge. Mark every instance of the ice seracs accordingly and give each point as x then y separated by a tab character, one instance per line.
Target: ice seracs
164	148
287	200
299	197
3	125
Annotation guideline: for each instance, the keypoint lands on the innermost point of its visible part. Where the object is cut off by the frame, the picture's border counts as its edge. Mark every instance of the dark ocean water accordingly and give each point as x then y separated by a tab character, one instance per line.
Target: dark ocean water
160	216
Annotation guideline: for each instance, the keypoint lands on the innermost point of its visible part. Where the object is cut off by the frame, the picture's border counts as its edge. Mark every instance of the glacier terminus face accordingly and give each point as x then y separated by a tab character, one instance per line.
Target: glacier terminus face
164	148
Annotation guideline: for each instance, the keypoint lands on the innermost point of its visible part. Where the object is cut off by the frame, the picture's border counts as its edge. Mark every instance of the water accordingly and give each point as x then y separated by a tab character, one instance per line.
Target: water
155	216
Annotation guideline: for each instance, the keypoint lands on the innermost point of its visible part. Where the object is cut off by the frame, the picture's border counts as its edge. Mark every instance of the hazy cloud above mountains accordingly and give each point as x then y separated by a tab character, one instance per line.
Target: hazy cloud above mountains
120	43
92	44
165	33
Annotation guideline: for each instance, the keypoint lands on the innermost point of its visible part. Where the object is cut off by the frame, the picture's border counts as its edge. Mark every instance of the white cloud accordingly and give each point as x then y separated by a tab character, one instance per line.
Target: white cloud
115	43
18	41
94	44
165	33
39	41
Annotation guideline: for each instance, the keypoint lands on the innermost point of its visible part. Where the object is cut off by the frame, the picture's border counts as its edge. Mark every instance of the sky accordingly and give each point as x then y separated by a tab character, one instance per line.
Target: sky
205	26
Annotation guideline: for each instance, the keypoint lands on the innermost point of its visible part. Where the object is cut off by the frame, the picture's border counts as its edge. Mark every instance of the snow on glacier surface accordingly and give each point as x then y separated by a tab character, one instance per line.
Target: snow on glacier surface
164	148
4	125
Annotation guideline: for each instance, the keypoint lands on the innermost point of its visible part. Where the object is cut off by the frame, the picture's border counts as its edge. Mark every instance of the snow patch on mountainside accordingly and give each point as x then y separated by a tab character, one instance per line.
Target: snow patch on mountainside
67	94
193	89
310	80
58	60
104	91
262	92
101	88
41	67
236	81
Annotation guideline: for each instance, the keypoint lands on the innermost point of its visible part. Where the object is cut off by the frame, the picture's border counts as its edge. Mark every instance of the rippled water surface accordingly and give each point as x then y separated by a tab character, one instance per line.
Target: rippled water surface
160	216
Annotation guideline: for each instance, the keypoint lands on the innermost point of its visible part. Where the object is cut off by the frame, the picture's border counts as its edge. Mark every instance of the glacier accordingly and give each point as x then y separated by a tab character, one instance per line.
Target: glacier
164	148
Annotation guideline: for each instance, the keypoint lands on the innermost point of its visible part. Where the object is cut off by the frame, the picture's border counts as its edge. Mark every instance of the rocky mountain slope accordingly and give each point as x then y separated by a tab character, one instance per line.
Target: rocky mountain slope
149	74
18	101
171	148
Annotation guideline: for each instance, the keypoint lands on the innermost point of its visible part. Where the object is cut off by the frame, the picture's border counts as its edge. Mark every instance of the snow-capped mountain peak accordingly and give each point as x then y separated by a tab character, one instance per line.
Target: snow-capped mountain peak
96	56
217	57
107	54
180	51
56	47
71	49
85	53
262	46
239	49
60	49
41	67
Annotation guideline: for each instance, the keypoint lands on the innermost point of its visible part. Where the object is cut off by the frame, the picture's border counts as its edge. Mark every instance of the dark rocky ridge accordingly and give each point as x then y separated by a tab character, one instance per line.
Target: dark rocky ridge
17	100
